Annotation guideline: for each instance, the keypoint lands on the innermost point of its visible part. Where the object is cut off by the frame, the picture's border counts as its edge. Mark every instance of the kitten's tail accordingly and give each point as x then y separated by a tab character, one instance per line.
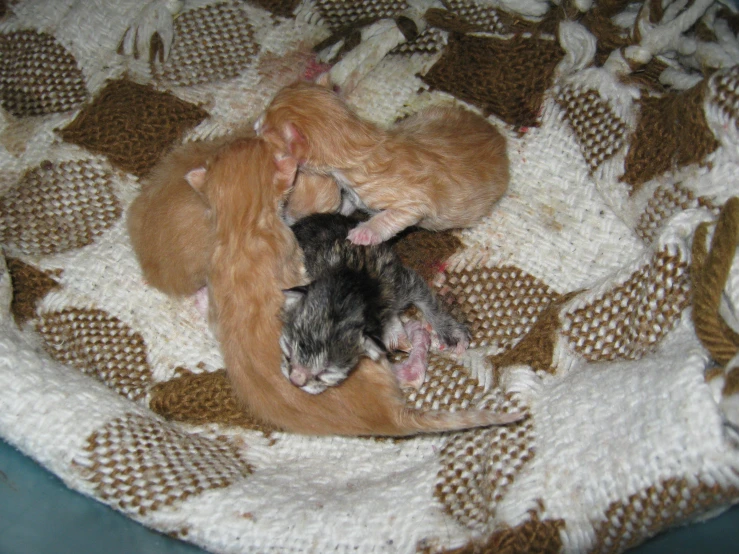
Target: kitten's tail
437	421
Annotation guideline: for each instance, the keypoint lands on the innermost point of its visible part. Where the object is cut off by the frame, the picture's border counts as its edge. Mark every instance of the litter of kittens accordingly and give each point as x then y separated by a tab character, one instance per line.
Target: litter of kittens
598	292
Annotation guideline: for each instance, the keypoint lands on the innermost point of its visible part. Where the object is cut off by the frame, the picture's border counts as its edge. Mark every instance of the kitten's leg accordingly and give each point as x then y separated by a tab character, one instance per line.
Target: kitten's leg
382	226
412	371
415	290
395	336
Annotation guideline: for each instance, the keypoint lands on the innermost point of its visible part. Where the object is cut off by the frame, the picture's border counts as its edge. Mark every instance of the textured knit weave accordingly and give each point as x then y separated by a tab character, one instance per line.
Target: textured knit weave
601	292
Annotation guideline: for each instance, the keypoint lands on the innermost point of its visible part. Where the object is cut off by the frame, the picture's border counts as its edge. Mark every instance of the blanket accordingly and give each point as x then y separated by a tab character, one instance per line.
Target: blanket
601	292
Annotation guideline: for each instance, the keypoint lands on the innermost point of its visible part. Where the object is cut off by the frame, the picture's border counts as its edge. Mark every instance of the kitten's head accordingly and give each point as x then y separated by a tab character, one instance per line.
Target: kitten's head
324	335
249	168
311	122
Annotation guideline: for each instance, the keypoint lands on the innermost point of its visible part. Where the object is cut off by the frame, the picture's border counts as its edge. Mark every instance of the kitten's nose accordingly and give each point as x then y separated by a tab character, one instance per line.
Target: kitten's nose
299	376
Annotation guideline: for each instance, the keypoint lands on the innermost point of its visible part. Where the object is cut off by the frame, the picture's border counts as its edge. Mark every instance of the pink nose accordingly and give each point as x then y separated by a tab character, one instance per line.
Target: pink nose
299	375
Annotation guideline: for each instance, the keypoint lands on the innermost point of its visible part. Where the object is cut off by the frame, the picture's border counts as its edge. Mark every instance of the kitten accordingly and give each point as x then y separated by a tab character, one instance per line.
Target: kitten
352	308
169	222
442	168
255	258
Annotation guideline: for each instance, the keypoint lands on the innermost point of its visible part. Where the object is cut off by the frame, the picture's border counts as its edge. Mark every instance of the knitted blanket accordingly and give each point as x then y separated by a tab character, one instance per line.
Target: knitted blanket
600	292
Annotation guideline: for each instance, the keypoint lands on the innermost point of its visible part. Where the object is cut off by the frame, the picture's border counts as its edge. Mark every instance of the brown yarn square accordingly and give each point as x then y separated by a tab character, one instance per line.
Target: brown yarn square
132	124
202	398
504	77
672	132
426	251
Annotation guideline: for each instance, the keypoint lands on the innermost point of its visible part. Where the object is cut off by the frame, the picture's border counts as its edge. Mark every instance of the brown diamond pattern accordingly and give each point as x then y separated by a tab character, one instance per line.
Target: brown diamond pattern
212	44
666	201
428	41
338	14
725	87
629	320
448	386
38	76
478	468
140	465
656	508
482	17
100	345
58	207
600	131
498	304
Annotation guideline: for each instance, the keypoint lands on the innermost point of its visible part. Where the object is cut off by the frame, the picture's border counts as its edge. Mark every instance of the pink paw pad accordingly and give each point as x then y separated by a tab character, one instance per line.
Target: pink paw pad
462	345
364	236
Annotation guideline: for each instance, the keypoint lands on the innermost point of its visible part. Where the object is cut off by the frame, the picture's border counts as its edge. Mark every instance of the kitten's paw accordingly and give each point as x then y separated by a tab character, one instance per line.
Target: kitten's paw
462	338
364	236
457	339
396	337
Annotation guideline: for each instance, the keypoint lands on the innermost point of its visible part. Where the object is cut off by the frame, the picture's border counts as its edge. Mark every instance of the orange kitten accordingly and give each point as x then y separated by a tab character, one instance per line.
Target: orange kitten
442	168
169	223
256	257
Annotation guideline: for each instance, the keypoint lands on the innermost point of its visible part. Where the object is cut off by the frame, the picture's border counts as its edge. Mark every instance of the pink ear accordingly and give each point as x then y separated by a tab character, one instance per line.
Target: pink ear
291	134
296	144
196	178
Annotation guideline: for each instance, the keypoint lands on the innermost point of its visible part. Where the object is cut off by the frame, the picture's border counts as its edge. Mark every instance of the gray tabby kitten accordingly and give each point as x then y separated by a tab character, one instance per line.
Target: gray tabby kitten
352	308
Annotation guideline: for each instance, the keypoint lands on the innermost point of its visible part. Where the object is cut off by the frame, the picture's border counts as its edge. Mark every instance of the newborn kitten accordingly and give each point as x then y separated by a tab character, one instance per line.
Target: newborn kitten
352	308
442	168
255	258
169	223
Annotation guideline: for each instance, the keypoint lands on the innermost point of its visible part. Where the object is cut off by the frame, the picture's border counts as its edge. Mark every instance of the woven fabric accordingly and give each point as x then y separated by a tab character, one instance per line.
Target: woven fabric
38	76
601	292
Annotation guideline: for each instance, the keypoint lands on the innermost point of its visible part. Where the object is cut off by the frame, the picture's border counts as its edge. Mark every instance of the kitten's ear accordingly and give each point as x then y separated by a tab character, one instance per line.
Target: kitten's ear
196	178
374	347
289	139
294	295
296	143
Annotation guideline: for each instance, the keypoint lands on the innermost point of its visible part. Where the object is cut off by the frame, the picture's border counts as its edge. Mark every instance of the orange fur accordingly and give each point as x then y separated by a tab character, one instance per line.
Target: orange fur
312	193
169	223
442	168
256	256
